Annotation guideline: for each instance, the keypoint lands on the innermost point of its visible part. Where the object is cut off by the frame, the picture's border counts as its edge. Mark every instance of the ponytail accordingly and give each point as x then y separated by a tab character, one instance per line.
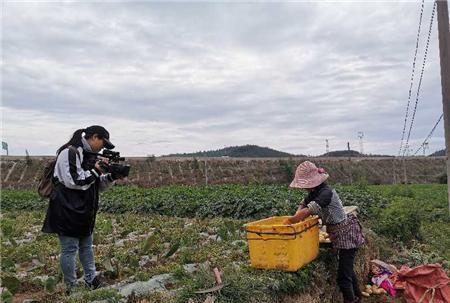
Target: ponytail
74	141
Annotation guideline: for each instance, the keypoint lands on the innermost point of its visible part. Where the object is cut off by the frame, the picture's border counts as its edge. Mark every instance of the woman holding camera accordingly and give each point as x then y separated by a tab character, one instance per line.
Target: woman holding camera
78	178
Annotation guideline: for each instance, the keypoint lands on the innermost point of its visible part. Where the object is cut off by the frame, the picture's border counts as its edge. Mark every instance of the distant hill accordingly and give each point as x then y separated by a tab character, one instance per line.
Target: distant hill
343	153
245	151
439	153
349	153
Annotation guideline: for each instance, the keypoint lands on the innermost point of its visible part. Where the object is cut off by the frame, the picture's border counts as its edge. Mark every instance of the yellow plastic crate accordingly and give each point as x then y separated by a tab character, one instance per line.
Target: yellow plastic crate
273	245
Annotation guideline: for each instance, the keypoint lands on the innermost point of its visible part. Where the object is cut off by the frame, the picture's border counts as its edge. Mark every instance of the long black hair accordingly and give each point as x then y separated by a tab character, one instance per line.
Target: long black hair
75	141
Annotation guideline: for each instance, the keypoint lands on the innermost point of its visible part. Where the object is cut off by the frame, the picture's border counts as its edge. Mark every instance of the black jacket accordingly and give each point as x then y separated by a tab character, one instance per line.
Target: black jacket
72	212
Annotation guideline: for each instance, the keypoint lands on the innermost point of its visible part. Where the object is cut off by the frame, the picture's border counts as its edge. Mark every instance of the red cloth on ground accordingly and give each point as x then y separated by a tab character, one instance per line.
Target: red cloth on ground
387	286
423	284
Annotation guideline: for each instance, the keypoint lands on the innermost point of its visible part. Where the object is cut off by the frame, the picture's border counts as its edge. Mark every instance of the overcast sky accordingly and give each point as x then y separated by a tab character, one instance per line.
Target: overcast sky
182	77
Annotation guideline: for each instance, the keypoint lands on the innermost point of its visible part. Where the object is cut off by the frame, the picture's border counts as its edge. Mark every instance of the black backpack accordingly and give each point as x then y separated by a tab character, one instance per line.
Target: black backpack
46	185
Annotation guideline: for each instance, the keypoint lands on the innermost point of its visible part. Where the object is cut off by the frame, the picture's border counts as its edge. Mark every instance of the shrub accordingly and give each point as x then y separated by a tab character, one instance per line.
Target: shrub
362	183
400	220
401	191
150	158
442	179
288	169
195	164
28	159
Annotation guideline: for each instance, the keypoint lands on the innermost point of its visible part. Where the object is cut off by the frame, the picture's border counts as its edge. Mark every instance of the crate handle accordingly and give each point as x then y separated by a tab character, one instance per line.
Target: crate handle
293	234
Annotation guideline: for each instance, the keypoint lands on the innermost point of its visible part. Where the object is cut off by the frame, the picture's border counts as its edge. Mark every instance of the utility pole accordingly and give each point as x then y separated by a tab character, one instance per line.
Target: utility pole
394	177
405	178
349	160
444	53
206	172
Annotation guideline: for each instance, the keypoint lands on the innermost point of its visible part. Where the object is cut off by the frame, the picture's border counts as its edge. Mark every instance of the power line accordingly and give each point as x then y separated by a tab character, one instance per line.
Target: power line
420	79
412	77
430	134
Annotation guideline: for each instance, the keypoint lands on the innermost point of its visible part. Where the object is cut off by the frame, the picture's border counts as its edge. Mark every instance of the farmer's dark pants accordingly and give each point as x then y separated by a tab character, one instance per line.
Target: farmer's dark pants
346	277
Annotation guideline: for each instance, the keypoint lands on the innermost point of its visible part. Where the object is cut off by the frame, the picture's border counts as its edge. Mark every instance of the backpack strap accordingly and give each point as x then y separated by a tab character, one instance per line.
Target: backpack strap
73	148
54	179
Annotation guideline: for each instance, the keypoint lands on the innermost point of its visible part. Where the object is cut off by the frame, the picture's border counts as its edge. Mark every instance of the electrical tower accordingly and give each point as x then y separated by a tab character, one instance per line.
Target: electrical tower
425	147
361	147
327	145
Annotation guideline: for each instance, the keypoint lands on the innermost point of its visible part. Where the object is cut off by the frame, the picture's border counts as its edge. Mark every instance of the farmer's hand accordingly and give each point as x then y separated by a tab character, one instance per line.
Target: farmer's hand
287	221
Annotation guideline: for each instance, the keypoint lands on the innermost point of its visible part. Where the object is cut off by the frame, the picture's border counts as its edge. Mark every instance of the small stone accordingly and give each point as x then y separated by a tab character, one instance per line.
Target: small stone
210	299
191	268
132	236
215	238
120	243
36	228
205	265
41	279
36	262
23	241
239	243
22	274
144	260
154	259
140	289
236	265
28	235
227	252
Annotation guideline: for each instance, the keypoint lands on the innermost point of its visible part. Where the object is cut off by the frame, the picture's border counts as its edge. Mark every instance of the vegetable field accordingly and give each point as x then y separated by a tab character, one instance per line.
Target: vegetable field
163	243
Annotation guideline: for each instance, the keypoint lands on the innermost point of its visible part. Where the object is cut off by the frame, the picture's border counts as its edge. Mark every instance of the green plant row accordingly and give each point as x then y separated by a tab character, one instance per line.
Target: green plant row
401	212
232	201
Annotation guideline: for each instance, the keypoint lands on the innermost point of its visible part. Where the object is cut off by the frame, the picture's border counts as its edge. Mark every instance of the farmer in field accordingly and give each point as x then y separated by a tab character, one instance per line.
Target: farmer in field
345	230
78	178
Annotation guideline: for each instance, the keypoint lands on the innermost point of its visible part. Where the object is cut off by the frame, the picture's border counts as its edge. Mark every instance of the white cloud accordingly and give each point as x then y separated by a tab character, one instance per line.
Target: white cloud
179	77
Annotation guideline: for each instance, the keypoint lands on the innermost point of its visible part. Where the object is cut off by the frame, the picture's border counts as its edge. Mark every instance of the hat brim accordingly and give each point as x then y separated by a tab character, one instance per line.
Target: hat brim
108	144
309	183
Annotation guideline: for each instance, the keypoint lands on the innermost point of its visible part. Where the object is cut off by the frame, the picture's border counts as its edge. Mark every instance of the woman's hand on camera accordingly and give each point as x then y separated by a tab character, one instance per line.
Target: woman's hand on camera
100	166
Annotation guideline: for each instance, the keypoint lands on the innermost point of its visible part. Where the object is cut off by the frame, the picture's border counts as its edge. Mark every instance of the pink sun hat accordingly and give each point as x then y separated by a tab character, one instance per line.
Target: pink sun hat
308	175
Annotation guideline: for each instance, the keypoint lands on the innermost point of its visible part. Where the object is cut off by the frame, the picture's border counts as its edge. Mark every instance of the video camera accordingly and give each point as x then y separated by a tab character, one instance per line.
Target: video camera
114	166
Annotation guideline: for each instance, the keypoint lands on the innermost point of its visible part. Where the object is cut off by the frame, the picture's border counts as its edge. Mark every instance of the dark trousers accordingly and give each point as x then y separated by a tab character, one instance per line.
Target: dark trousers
346	277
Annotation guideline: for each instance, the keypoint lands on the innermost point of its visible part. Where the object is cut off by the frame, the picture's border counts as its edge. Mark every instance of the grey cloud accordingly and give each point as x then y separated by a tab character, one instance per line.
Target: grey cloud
221	70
